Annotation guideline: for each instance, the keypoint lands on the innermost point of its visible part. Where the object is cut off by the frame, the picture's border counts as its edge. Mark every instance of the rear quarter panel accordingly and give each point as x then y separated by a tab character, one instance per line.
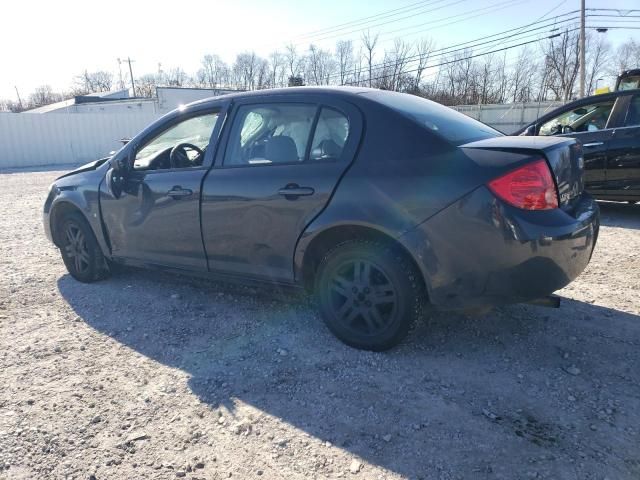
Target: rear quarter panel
402	175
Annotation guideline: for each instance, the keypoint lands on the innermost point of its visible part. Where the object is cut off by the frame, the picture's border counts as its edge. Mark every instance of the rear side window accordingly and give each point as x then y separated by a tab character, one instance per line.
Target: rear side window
453	126
270	134
330	136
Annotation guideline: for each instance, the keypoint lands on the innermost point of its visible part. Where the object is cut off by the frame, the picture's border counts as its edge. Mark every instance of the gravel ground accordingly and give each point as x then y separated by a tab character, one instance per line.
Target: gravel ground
147	375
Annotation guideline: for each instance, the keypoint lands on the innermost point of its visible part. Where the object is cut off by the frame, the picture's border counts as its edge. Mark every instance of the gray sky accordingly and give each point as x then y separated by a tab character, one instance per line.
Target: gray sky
49	42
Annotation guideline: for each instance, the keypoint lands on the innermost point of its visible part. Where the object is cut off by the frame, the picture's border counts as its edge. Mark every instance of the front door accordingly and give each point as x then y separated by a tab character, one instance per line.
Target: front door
282	161
155	217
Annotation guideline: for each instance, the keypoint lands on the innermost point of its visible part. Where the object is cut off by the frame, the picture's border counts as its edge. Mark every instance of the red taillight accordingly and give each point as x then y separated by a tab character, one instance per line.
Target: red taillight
530	187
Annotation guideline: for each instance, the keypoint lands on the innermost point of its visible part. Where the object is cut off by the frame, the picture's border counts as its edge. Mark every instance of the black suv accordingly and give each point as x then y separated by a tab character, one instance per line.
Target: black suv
608	126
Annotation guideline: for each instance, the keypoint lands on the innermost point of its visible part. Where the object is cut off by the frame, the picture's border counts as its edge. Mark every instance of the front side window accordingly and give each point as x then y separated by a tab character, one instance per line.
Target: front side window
269	134
589	118
181	146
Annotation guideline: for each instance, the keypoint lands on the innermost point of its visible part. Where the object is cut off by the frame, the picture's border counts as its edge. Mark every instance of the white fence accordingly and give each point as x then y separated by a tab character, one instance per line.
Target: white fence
34	140
508	117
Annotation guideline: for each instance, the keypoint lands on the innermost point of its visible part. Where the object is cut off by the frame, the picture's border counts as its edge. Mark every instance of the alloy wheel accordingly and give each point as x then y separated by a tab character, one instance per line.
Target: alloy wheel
362	297
76	249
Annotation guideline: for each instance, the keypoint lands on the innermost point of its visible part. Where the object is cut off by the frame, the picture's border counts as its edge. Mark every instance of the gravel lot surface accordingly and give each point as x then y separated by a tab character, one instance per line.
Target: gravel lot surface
147	375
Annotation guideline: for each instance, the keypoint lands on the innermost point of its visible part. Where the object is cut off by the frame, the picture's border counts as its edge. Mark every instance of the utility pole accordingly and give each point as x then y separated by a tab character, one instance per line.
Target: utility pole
18	94
583	56
133	85
121	82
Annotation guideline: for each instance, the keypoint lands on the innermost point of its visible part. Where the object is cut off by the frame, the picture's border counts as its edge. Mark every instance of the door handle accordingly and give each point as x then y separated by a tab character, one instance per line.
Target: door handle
178	192
592	144
294	191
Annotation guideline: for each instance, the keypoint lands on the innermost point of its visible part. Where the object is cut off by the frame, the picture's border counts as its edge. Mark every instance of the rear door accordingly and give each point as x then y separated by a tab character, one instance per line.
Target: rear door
282	160
591	124
623	161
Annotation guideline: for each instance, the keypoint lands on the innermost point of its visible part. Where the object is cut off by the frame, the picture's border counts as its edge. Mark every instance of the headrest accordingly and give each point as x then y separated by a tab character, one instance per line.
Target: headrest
281	149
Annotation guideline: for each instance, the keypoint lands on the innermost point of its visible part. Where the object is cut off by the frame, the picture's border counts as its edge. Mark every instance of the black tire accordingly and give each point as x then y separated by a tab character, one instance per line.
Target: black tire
80	250
368	295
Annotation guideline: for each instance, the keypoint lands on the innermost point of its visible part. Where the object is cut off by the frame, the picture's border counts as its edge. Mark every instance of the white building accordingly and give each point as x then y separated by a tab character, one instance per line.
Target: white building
166	99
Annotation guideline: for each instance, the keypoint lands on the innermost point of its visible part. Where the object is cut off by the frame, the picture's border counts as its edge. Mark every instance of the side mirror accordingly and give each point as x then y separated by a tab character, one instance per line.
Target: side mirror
567	129
123	163
530	131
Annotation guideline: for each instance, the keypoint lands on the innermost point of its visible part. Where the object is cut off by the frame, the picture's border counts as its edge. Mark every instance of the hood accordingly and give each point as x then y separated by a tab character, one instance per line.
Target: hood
87	167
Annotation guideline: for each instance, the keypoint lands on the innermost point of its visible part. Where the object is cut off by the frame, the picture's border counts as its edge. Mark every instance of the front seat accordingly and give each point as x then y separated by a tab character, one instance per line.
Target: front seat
281	149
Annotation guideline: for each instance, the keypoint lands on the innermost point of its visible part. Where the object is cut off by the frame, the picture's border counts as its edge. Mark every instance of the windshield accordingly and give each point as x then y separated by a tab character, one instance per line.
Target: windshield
629	83
453	126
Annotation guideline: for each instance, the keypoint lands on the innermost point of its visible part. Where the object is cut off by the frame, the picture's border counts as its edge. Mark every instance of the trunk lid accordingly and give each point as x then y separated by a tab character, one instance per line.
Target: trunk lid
564	156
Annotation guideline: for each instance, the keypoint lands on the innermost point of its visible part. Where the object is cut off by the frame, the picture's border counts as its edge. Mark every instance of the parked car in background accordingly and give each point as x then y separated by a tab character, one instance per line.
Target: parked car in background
377	202
628	80
608	126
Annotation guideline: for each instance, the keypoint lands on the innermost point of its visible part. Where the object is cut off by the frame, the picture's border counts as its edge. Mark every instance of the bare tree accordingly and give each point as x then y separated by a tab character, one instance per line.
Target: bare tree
176	77
146	85
92	82
320	65
423	50
598	53
44	95
249	71
277	69
562	54
7	105
626	56
369	43
523	76
214	72
344	56
295	63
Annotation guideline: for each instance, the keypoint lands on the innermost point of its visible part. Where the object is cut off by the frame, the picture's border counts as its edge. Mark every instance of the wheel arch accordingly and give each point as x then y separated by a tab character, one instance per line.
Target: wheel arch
312	250
58	211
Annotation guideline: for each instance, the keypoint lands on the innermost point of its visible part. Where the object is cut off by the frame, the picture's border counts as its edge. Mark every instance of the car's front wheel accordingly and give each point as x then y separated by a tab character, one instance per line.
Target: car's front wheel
80	250
368	294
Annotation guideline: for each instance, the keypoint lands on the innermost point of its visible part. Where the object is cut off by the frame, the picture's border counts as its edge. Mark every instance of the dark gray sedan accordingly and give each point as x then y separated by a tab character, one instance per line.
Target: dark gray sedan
379	203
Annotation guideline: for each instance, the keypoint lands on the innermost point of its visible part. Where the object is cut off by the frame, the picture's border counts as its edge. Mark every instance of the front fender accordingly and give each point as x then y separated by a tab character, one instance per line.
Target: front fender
77	192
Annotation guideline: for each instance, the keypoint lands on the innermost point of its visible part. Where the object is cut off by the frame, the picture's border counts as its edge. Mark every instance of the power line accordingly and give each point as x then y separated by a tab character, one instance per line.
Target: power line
494	51
448	50
372	18
368	27
472	56
474	43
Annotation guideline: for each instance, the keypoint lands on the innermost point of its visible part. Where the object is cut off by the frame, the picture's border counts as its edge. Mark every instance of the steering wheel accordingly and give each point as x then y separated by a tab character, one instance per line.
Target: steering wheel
178	157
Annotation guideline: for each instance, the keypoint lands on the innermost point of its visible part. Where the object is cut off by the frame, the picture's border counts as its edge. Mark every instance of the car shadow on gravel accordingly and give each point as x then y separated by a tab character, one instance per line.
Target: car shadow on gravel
522	388
615	214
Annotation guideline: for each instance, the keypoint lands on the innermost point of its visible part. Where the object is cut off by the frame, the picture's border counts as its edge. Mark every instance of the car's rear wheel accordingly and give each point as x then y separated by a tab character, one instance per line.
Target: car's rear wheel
368	294
80	250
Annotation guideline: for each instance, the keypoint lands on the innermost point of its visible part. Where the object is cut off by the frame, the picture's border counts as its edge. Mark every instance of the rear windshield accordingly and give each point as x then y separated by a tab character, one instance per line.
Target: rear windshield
454	126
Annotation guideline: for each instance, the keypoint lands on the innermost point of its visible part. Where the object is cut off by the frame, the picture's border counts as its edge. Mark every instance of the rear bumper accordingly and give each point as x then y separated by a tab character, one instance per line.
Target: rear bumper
481	252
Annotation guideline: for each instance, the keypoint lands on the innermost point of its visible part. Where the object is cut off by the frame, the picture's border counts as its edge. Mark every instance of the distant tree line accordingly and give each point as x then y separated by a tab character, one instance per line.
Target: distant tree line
547	72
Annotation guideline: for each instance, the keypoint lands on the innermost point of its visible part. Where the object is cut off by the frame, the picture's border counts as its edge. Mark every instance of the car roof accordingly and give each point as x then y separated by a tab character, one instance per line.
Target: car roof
632	71
601	96
342	91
